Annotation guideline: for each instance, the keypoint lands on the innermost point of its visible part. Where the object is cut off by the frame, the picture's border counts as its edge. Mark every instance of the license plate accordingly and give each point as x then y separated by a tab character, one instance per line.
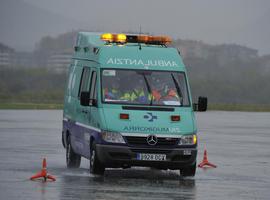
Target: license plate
151	157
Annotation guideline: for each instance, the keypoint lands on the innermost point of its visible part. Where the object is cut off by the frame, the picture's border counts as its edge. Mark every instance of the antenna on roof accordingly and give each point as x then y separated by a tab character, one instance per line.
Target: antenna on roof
140	46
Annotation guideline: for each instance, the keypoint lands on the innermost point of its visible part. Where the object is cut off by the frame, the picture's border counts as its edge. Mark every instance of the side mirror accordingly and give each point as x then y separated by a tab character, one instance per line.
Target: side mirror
84	98
202	104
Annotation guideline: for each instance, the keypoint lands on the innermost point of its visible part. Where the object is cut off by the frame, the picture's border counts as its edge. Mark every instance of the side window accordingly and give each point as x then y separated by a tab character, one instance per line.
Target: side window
70	77
93	85
85	81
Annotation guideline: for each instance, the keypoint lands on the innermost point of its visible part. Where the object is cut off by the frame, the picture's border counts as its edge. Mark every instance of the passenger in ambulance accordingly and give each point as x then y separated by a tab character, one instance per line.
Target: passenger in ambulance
170	93
135	93
164	92
156	90
111	90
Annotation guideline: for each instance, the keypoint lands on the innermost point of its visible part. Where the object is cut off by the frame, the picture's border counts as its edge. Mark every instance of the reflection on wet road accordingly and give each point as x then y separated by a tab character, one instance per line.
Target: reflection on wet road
237	142
128	184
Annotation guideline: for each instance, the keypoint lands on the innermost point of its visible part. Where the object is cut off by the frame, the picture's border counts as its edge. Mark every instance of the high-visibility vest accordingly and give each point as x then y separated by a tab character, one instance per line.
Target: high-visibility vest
133	95
113	93
136	93
126	96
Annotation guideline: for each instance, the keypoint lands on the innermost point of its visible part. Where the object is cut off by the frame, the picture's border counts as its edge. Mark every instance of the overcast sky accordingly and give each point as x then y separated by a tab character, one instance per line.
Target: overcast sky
244	22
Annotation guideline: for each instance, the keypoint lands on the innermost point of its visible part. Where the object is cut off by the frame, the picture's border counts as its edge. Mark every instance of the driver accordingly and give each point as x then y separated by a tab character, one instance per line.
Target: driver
164	91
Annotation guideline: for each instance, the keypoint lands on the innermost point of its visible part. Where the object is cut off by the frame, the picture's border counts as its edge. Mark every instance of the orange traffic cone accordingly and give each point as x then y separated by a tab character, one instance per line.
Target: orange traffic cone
205	161
43	173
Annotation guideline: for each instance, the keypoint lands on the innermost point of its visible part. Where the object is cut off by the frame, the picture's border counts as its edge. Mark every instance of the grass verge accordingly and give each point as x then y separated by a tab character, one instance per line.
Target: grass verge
41	106
240	107
224	107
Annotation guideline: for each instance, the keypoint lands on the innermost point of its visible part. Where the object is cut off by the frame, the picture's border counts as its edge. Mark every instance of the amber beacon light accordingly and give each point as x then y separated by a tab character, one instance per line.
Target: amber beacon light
147	39
122	38
108	37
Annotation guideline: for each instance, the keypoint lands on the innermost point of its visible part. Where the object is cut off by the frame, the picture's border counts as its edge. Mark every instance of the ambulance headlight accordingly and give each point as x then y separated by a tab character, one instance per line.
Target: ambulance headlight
188	140
112	137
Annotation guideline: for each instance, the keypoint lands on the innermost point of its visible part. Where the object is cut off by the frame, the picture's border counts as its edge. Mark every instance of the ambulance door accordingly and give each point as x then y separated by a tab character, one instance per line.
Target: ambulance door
82	111
90	117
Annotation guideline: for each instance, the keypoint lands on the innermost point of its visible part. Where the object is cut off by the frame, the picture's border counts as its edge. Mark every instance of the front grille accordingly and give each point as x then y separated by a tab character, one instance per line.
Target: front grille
117	155
161	151
161	141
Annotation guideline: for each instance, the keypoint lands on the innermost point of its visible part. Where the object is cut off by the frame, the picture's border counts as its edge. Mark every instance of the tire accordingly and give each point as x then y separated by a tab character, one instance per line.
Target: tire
96	167
73	160
188	171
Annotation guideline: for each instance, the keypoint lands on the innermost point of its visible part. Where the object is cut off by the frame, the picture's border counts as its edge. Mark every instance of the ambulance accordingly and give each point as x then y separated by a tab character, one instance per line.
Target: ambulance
128	103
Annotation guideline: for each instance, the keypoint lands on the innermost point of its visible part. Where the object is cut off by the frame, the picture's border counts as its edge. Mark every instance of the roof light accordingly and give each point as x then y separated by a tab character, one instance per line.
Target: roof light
147	39
166	39
160	40
108	37
118	38
122	38
143	38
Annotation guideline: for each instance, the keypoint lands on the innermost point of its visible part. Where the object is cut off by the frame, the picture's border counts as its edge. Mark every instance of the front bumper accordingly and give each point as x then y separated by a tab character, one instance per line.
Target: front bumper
125	156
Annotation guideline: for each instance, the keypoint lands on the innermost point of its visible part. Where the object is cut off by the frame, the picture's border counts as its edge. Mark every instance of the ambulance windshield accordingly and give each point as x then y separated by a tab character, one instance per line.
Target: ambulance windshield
144	87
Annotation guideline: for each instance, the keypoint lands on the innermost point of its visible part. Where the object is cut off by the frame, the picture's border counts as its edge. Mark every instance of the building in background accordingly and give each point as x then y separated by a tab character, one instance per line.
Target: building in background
4	58
59	61
22	59
5	55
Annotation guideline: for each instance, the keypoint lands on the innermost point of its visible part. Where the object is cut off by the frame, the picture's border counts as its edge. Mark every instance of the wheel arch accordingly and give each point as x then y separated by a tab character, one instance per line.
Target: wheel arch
92	139
65	136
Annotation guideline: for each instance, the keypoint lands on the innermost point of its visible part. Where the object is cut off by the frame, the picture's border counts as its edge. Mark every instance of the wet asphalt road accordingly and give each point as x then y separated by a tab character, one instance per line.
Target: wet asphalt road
237	142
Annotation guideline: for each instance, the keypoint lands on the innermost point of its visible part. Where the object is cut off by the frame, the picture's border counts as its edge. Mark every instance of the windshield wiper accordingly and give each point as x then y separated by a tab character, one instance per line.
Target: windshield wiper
179	92
149	89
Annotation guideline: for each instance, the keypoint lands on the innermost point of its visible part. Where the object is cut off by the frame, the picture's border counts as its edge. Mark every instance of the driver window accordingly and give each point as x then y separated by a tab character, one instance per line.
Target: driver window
85	80
93	85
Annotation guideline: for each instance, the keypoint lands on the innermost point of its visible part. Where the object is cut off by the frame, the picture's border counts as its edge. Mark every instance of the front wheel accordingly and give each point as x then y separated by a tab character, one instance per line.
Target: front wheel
96	166
188	171
73	160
